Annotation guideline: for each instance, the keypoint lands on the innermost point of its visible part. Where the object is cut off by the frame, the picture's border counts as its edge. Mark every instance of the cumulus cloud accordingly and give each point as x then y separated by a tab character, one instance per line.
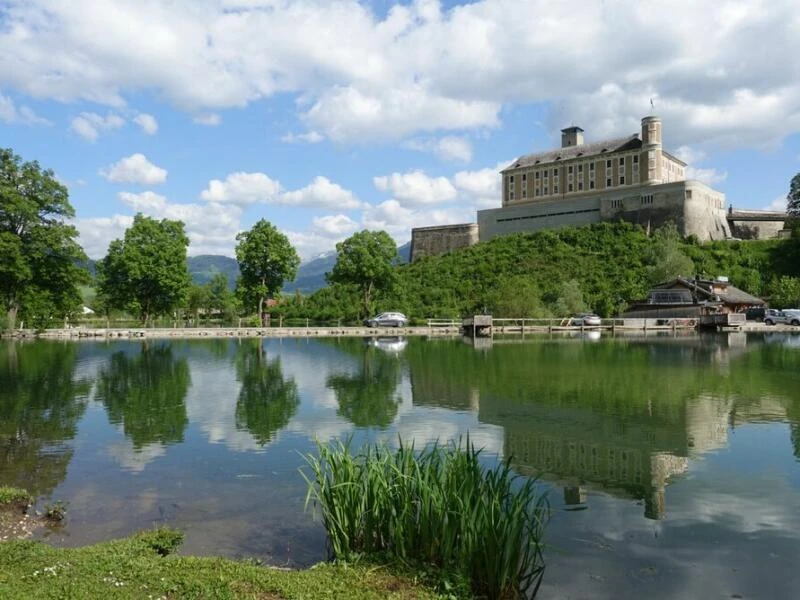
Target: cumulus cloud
449	148
310	137
242	188
322	193
481	187
23	115
415	188
334	226
708	175
98	232
147	122
90	125
391	216
421	67
135	168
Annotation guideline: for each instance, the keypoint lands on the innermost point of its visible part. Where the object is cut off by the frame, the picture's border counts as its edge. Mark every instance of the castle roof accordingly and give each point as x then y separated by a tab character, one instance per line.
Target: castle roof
630	142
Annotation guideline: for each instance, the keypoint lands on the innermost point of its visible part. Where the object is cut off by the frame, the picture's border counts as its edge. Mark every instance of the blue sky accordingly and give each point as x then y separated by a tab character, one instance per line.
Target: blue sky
330	116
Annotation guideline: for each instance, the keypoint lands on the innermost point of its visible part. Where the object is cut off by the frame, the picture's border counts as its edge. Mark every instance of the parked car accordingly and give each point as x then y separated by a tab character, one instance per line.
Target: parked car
776	317
586	320
755	313
387	319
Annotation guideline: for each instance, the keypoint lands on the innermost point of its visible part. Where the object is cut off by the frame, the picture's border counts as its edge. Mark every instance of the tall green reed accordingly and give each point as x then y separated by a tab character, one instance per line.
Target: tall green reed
437	506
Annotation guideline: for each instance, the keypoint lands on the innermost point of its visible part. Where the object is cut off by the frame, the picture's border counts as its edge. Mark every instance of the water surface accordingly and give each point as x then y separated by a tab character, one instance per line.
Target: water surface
671	463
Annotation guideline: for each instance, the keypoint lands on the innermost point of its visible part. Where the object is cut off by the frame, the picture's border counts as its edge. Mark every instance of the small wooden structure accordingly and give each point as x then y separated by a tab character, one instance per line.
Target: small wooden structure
477	326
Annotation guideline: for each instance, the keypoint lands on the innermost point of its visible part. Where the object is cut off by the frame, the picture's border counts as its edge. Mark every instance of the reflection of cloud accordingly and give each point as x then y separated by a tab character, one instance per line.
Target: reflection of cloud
132	459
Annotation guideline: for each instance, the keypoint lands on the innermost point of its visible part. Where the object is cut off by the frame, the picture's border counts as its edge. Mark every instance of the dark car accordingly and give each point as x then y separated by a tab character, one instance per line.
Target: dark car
755	313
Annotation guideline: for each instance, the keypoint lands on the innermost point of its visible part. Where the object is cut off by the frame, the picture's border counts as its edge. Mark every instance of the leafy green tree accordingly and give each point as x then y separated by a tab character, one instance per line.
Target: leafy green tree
39	256
570	300
146	394
267	400
266	259
784	292
220	297
197	300
517	296
366	260
666	259
793	197
146	273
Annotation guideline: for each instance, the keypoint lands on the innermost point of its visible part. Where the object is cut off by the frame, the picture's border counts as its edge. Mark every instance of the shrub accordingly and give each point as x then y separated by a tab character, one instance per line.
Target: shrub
439	506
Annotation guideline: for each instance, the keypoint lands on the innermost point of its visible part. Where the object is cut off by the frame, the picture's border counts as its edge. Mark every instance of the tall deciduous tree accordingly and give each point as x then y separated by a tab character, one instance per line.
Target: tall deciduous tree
146	272
39	256
266	259
793	197
665	258
366	259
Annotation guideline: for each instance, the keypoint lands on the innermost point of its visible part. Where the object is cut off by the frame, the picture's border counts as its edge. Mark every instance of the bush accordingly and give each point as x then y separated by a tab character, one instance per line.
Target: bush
437	507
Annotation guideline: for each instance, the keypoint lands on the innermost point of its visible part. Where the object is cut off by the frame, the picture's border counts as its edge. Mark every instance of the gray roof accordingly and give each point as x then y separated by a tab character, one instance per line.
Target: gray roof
733	295
605	147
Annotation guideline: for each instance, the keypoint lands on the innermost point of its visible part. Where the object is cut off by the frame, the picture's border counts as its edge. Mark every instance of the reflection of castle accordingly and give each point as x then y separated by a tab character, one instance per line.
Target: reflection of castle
614	426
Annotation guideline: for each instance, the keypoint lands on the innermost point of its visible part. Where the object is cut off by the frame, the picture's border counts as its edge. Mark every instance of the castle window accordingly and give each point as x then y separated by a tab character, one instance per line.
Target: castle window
622	179
647	199
636	159
569	169
608	182
591	184
524	177
569	188
524	192
535	175
591	166
580	186
555	172
608	164
580	168
621	161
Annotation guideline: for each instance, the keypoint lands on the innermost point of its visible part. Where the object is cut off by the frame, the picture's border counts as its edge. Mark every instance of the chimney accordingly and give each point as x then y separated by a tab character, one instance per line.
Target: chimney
571	136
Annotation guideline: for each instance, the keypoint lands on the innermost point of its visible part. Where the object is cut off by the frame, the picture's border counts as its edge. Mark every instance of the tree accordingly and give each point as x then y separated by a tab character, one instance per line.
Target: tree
39	256
666	259
220	297
146	272
366	260
266	259
793	197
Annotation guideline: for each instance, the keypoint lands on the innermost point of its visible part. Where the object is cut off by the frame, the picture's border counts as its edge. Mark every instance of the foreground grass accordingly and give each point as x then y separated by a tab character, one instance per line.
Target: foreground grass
142	566
438	506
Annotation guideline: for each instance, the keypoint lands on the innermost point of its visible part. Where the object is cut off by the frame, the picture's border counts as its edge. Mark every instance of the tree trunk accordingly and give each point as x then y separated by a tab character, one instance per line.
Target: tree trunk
261	310
12	317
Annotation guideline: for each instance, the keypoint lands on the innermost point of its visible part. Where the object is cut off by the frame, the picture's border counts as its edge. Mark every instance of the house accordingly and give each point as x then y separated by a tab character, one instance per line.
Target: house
691	298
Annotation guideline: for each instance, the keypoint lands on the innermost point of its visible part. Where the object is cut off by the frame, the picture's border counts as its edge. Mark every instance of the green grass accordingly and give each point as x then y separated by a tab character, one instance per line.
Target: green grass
11	496
436	507
144	566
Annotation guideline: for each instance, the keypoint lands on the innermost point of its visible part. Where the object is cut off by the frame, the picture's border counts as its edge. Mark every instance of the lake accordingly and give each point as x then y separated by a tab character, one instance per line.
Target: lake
670	462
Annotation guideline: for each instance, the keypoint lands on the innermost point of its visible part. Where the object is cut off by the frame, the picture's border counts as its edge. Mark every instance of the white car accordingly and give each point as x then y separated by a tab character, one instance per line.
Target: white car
586	320
775	317
387	319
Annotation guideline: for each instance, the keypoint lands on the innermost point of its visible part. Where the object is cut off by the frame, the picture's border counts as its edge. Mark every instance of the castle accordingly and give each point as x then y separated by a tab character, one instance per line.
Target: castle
630	179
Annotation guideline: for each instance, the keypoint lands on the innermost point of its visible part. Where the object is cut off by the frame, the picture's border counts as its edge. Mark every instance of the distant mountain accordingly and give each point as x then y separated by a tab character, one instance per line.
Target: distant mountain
310	274
202	268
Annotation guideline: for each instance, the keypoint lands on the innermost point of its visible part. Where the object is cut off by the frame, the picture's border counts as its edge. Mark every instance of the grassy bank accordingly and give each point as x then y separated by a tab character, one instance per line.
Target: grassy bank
143	566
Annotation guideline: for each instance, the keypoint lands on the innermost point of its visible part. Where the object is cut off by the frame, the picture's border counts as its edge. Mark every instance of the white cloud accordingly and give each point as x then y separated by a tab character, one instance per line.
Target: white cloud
208	119
348	114
415	188
322	193
90	125
134	169
242	188
310	137
146	202
9	113
97	233
481	187
709	176
334	226
450	148
777	205
391	216
367	74
147	122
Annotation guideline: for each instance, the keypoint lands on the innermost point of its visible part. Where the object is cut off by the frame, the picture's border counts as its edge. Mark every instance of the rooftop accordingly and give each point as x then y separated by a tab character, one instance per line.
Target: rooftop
630	142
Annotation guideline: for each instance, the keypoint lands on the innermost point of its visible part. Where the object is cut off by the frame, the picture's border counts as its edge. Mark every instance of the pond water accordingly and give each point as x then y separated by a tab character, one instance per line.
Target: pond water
671	463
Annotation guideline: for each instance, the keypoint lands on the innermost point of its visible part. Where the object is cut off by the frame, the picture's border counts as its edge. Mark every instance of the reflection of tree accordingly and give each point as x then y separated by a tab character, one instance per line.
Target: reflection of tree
368	398
266	401
41	403
146	393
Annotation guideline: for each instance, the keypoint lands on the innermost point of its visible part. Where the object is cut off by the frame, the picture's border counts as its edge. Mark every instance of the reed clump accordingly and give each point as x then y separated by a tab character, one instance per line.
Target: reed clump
438	506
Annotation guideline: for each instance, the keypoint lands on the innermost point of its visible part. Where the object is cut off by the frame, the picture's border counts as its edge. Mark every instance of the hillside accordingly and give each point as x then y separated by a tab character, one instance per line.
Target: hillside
202	268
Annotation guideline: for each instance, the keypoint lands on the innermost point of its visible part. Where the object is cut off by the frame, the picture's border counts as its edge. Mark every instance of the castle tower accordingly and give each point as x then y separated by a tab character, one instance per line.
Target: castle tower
650	160
571	136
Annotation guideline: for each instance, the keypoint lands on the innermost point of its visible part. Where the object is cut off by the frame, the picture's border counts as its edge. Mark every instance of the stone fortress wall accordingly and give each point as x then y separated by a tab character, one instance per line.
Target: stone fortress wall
432	241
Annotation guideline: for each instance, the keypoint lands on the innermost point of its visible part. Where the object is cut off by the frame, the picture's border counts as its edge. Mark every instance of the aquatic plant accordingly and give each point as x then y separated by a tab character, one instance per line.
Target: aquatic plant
437	506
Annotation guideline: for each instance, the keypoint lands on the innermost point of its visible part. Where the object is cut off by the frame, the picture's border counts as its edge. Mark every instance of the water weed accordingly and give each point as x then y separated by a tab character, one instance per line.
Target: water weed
437	506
